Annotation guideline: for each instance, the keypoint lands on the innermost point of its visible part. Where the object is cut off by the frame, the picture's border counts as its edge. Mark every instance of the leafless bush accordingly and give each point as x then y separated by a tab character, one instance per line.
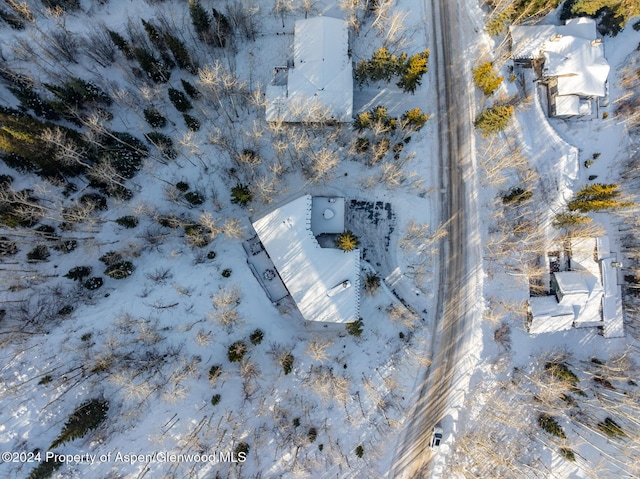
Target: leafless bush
160	275
97	45
401	314
249	369
61	44
226	297
317	349
244	18
203	338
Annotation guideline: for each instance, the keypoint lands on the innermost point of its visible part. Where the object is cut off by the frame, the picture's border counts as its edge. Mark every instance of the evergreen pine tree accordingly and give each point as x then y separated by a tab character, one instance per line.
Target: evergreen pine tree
200	19
412	71
494	119
122	44
486	79
347	241
414	119
180	53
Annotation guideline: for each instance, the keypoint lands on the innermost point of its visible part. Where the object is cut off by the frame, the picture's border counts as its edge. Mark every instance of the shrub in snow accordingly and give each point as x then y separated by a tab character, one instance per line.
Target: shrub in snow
127	221
486	79
156	68
287	362
65	246
243	448
163	143
192	123
197	235
215	400
120	270
414	120
93	283
347	241
371	283
194	197
169	221
236	351
355	327
45	469
256	337
211	255
111	257
47	231
567	453
226	273
123	151
155	118
359	451
561	372
45	380
493	119
189	89
516	195
95	200
89	415
179	100
611	428
182	186
39	253
181	55
551	426
241	194
7	247
362	144
312	434
214	372
66	310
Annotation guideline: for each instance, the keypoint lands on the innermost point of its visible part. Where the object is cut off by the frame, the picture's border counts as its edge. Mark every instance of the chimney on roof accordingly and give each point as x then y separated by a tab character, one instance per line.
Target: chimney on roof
596	41
556	37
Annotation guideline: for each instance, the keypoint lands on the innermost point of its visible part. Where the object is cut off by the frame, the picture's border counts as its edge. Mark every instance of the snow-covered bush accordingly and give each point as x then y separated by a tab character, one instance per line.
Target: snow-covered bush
120	270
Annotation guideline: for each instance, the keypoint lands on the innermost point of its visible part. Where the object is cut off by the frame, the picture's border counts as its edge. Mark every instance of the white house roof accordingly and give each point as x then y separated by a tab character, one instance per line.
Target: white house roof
571	53
549	316
579	65
572	282
612	314
321	80
311	273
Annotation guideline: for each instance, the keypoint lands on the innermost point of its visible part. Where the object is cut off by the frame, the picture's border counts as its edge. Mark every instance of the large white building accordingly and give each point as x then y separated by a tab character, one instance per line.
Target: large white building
319	85
574	66
323	282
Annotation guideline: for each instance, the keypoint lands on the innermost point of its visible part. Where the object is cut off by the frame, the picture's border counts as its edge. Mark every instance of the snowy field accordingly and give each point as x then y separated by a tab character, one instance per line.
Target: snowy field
304	400
155	344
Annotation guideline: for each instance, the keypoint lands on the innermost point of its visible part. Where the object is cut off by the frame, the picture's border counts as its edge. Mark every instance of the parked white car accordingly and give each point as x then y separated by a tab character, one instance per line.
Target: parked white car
436	437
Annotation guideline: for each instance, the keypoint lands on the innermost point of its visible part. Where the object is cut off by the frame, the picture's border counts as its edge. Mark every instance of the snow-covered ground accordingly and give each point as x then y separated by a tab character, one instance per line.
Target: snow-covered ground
150	343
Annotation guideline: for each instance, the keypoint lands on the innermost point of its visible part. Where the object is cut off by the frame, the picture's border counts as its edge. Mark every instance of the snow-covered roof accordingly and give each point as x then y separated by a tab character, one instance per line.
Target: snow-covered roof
612	314
571	52
311	273
568	105
578	63
548	316
320	84
572	282
589	294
